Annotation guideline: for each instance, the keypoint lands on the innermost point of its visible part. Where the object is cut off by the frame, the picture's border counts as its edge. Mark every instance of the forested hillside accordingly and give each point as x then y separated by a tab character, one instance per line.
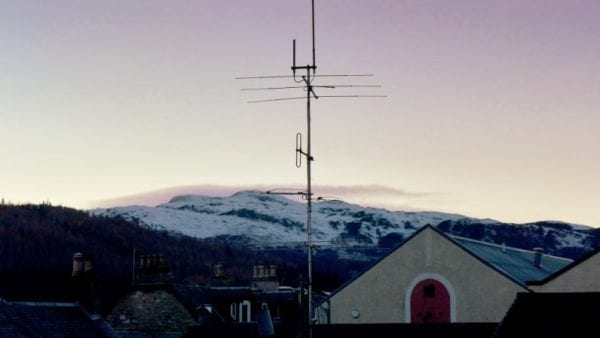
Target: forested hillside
37	243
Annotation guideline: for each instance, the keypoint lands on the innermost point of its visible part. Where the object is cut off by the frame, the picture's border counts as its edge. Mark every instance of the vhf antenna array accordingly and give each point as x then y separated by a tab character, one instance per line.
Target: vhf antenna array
305	82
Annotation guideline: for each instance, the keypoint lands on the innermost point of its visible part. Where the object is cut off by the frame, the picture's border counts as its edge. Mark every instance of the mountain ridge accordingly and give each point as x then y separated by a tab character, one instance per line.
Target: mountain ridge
273	220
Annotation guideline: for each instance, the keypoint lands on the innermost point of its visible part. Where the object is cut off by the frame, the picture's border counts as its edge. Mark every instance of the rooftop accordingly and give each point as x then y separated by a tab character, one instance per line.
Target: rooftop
517	263
37	319
551	315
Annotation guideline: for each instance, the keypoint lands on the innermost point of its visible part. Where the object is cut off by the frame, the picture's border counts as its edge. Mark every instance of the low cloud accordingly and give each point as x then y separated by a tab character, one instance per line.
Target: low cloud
366	195
159	196
367	190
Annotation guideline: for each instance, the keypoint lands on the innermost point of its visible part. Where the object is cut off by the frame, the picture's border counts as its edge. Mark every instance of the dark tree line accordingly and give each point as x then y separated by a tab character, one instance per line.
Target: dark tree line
37	243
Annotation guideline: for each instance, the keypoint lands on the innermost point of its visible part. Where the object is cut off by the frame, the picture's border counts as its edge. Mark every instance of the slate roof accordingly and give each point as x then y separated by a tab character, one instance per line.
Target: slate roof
33	319
550	315
517	263
194	295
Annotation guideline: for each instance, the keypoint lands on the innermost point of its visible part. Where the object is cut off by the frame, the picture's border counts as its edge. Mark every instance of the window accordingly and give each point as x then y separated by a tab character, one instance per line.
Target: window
429	291
241	312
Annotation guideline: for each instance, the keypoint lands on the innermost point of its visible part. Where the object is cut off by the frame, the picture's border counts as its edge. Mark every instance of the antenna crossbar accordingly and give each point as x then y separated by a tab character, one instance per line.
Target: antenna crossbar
316	86
354	96
278	99
259	77
322	96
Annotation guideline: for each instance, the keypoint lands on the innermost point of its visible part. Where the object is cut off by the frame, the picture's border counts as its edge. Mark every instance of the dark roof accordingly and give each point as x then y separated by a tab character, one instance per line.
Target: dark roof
245	330
549	315
515	264
194	295
458	330
34	319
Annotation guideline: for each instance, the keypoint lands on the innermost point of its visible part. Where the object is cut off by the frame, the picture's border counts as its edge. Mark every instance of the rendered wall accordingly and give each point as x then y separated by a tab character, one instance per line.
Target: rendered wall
584	277
479	293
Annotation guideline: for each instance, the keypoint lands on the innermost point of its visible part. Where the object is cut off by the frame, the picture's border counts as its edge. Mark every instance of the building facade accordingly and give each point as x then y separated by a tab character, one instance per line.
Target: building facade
435	278
581	276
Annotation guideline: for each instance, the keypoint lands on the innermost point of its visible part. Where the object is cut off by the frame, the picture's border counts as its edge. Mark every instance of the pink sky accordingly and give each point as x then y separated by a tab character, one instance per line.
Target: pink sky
492	107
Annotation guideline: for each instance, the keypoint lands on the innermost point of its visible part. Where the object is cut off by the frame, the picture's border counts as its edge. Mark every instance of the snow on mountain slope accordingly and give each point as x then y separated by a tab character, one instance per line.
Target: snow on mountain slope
274	220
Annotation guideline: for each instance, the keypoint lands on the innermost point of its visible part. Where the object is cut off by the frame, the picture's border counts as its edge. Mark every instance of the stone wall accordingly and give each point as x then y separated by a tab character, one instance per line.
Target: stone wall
153	311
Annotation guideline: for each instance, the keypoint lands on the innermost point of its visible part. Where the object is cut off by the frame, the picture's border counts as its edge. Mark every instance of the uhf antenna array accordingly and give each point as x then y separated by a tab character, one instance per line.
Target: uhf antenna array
304	76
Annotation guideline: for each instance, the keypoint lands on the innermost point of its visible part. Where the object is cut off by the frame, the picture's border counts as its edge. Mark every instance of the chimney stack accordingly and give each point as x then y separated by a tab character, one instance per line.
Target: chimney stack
537	258
265	278
152	269
88	264
78	264
218	271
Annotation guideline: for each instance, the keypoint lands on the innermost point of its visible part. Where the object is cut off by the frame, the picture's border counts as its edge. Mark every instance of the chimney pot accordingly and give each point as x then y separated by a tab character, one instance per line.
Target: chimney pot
537	258
77	264
143	262
162	263
218	270
88	264
153	262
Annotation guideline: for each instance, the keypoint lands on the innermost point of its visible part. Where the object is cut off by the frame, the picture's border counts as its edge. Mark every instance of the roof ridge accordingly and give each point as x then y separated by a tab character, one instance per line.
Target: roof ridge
504	246
46	304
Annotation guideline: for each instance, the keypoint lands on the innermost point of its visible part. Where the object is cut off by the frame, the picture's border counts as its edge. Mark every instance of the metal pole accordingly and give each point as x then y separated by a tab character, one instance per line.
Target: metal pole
133	269
313	36
308	174
309	201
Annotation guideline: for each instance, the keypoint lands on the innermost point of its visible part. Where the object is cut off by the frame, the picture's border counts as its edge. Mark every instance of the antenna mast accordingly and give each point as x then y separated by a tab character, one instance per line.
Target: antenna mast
309	158
304	79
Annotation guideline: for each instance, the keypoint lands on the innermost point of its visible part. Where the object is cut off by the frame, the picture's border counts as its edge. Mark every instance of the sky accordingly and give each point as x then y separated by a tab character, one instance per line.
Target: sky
492	107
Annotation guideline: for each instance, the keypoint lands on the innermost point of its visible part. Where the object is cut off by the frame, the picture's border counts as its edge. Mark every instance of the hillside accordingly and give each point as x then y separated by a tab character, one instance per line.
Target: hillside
37	243
265	220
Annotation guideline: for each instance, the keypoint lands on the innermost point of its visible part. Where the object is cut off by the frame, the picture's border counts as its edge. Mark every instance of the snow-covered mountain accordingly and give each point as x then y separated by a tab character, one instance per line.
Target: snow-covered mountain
273	220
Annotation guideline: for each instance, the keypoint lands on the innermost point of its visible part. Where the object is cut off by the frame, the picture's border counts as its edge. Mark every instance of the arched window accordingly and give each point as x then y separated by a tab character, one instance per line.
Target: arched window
241	312
430	299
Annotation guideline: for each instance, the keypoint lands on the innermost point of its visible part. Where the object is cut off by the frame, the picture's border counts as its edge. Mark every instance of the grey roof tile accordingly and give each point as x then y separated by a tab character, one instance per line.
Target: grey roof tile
517	263
30	319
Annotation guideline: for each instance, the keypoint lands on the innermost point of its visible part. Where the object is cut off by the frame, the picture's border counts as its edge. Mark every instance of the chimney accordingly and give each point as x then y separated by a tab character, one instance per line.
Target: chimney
88	264
153	262
265	278
78	264
537	258
152	269
218	270
161	263
144	262
82	282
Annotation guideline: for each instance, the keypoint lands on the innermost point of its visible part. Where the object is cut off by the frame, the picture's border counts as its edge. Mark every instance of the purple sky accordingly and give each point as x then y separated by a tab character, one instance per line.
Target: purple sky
492	108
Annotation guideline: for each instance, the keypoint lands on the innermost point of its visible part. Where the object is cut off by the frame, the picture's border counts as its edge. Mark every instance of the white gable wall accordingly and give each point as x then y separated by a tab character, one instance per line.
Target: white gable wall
479	293
583	277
